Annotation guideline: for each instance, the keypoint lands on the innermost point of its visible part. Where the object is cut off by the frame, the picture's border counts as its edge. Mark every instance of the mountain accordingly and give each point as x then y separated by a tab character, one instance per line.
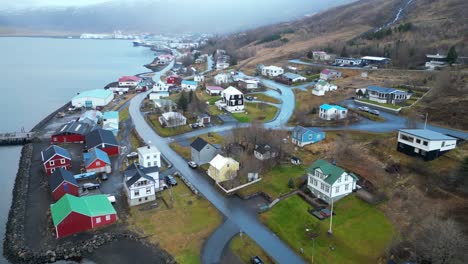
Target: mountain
163	16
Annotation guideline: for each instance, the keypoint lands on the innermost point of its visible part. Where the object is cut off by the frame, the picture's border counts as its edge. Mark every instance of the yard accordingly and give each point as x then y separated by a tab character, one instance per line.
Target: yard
152	119
396	107
266	98
185	152
124	115
361	233
182	229
245	248
256	111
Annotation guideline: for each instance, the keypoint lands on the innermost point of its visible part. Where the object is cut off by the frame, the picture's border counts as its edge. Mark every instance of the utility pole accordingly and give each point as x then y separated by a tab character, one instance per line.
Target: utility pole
425	122
330	232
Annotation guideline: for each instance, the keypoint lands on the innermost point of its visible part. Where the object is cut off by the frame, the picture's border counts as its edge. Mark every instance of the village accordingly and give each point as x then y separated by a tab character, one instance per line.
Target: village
316	139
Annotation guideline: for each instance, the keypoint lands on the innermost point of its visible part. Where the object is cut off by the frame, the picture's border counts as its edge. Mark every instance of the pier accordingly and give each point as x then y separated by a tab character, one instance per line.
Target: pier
16	138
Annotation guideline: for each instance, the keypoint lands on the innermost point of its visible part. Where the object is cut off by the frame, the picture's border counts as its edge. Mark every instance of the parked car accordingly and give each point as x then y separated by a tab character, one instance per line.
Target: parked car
374	112
364	108
170	180
132	155
104	176
90	186
249	98
192	164
256	260
194	126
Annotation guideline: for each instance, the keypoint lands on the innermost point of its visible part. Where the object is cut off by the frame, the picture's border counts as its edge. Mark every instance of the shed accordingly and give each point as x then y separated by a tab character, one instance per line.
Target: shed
62	182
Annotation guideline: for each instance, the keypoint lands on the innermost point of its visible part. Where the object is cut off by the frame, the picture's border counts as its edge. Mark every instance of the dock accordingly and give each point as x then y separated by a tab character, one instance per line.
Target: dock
16	138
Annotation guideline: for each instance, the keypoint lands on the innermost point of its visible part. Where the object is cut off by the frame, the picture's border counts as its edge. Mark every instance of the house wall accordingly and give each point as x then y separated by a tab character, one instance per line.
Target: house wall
72	224
110	150
418	142
189	86
314	184
60	191
205	155
128	83
143	196
95	101
150	159
57	160
67	139
332	113
103	220
224	173
98	166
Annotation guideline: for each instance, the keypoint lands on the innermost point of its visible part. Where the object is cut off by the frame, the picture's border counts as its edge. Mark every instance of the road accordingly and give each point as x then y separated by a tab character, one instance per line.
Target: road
298	61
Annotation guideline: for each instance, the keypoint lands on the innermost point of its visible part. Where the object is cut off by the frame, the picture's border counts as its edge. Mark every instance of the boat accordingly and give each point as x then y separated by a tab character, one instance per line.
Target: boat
137	43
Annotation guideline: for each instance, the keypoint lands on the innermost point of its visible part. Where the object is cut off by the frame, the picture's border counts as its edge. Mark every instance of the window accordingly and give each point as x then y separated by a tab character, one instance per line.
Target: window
148	190
52	170
406	138
98	163
346	178
155	156
425	143
155	163
52	163
337	189
63	160
149	164
108	217
346	187
147	157
443	143
315	182
318	174
139	200
98	220
322	186
137	192
339	180
146	198
418	141
327	188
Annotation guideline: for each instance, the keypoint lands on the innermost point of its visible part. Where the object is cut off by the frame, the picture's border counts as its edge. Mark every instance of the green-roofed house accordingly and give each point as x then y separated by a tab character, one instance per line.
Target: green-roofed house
326	181
72	215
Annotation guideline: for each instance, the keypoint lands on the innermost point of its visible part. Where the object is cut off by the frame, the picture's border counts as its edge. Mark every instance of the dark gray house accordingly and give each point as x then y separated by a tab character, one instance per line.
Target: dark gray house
202	151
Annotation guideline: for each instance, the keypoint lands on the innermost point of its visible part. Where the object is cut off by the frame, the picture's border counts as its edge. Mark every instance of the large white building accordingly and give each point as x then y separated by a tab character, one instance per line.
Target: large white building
221	78
321	87
232	100
172	119
141	184
425	143
328	181
272	71
149	156
332	112
93	98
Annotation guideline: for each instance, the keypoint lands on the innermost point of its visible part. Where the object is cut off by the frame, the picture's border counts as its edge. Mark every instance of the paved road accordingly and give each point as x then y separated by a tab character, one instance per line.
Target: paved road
300	62
213	249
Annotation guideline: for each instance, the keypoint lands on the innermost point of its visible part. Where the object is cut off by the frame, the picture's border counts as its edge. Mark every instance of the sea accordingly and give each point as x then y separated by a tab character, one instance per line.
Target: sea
41	74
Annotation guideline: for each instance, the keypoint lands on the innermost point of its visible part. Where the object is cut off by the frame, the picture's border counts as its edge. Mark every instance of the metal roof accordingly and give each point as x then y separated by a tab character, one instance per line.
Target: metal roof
372	58
74	127
291	75
97	93
328	107
111	115
59	176
189	82
198	144
427	134
54	150
95	154
135	172
99	136
332	172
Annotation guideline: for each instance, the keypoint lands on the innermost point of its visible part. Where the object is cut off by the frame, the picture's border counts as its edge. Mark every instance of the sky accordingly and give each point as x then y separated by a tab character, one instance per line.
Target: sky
20	4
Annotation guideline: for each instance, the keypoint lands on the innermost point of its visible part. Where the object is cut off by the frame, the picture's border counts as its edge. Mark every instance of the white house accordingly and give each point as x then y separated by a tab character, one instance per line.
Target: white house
141	184
329	182
131	81
321	87
265	152
214	90
292	77
119	90
248	84
272	71
221	65
328	74
425	143
189	85
321	55
232	100
93	98
332	112
149	156
157	95
160	86
221	78
199	78
172	119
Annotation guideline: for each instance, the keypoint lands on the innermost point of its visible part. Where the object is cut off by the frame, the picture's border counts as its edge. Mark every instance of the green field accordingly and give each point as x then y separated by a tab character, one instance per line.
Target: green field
245	248
256	111
361	233
124	114
396	107
266	98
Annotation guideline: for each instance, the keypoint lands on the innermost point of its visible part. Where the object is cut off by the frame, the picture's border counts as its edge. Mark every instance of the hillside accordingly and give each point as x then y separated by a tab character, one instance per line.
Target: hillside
434	26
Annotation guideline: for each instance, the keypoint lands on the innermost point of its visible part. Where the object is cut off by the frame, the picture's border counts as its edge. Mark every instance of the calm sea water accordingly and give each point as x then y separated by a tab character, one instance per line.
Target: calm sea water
41	74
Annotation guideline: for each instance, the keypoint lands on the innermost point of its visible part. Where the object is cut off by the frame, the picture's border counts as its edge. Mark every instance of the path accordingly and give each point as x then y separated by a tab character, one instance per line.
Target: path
217	242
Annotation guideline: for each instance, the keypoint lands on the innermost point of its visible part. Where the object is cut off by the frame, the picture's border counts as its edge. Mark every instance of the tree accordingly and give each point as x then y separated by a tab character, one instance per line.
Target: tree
190	96
344	52
291	183
452	55
310	54
182	103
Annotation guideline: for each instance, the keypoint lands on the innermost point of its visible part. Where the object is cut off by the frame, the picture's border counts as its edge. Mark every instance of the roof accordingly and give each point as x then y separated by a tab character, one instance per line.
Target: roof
198	144
322	82
215	88
333	172
291	75
326	71
382	89
189	82
99	136
93	115
173	115
436	56
74	127
129	78
264	148
372	58
427	134
97	93
150	149
219	161
93	205
328	107
54	150
111	115
302	130
135	172
272	67
232	90
59	176
94	154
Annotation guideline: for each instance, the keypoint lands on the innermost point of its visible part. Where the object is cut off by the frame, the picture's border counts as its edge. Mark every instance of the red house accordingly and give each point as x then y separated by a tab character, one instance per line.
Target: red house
97	160
62	182
71	132
55	157
72	215
103	140
174	79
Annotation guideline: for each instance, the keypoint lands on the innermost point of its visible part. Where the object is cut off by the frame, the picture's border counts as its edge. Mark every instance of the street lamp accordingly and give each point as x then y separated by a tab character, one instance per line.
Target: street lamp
312	236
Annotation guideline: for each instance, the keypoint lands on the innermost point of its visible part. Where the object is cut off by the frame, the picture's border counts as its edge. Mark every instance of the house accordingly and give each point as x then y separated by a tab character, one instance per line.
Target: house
272	71
160	86
295	160
149	156
375	60
71	132
222	169
302	136
321	87
172	119
436	61
130	81
189	85
214	90
165	105
203	120
199	78
71	215
342	61
104	140
119	90
329	182
293	78
221	65
165	58
386	95
232	100
93	98
328	74
221	78
265	152
248	84
110	121
141	184
424	143
62	182
332	112
97	161
55	157
173	79
321	56
202	151
157	95
91	117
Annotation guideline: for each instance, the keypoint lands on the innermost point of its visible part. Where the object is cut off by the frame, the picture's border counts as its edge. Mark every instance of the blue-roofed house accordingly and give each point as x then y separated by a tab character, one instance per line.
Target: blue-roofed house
302	136
97	161
424	143
189	85
332	112
293	78
91	117
93	98
110	121
386	95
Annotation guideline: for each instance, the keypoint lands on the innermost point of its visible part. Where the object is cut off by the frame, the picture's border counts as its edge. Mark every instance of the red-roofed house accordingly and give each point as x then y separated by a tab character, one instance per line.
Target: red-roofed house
129	81
174	79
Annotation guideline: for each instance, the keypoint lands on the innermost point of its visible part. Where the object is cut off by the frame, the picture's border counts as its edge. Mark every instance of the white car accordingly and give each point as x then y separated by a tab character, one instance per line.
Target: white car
192	164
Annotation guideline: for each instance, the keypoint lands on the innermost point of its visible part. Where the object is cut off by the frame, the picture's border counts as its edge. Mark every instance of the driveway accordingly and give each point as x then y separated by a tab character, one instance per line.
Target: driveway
215	245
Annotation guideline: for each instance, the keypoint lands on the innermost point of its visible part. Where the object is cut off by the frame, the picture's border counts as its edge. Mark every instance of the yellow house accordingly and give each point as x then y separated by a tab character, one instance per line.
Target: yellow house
222	169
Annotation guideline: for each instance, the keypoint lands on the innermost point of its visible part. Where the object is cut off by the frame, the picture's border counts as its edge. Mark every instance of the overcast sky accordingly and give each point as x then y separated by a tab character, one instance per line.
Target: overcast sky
20	4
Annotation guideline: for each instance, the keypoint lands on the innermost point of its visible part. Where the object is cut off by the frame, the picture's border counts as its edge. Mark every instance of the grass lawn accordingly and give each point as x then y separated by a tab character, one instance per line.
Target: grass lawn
212	100
180	230
275	182
214	111
163	131
212	138
266	98
185	152
135	140
124	114
245	248
396	107
361	232
370	116
256	111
